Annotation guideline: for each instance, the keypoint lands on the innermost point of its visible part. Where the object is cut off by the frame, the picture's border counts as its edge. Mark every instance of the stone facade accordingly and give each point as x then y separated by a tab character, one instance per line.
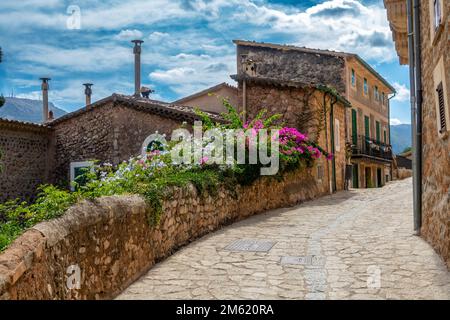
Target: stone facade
111	243
109	133
27	158
346	73
288	63
436	147
299	108
435	69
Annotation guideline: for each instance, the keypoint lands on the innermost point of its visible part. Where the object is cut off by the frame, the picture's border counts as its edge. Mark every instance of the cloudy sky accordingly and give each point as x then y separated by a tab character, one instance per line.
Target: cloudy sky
188	43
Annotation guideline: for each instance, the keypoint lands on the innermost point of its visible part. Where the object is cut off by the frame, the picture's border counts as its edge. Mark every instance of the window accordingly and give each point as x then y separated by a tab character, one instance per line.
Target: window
383	99
436	19
377	131
354	128
337	138
319	172
366	127
366	88
441	108
441	103
353	78
77	169
377	94
437	14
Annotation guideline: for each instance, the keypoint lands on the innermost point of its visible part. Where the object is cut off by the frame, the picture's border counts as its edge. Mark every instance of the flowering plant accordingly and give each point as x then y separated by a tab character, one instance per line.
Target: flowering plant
295	146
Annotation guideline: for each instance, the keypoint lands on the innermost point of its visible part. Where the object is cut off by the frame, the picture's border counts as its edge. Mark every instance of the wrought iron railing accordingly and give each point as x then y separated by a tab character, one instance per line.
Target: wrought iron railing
371	147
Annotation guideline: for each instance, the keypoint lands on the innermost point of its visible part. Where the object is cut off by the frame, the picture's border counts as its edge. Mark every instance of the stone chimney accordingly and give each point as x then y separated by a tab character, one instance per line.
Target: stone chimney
45	88
137	67
50	116
88	92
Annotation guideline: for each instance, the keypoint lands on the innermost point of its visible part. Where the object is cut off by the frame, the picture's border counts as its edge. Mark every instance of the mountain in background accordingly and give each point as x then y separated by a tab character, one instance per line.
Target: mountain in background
400	137
27	110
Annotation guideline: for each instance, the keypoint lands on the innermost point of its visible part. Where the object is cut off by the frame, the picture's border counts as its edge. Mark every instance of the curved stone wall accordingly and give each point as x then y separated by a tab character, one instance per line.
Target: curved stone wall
109	243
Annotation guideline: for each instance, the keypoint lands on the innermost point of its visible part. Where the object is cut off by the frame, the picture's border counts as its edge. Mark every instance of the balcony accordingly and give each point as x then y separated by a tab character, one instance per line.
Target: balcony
370	148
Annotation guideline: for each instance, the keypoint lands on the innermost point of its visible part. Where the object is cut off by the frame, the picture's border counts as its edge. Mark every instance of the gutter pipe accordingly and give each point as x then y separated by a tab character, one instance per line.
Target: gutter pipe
413	19
418	107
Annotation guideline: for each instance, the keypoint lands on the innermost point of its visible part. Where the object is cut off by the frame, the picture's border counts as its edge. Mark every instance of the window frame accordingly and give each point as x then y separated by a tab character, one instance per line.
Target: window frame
366	87
353	78
320	172
437	14
436	26
75	165
337	137
438	78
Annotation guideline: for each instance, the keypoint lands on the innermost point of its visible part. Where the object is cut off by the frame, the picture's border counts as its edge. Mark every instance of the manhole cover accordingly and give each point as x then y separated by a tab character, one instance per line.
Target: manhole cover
303	260
250	245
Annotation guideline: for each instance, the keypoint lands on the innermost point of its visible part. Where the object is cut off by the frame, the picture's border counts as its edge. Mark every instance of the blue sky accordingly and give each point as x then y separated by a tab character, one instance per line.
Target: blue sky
188	43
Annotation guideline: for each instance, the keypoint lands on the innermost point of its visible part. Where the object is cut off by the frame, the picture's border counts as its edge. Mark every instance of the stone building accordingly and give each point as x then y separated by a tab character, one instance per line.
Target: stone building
110	130
211	99
366	123
270	77
25	158
422	41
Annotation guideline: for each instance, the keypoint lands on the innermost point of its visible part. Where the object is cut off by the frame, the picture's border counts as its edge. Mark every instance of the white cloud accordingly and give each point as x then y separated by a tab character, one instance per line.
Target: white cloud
403	93
99	58
188	73
128	34
173	76
342	25
395	122
157	37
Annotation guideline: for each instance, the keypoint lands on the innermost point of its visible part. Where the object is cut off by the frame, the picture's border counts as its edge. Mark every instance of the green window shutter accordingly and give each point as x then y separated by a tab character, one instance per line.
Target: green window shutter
354	127
385	140
355	176
366	126
378	131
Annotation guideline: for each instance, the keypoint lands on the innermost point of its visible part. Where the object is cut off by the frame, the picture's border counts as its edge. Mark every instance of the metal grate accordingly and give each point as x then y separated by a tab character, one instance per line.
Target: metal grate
250	245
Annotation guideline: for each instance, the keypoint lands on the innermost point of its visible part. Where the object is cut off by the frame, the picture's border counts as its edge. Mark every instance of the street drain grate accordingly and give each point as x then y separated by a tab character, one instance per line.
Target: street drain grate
303	260
250	245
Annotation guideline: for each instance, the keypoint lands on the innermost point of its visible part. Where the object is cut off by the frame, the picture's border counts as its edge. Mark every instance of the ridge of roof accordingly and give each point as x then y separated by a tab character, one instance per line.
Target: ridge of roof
205	91
147	105
295	84
316	51
17	123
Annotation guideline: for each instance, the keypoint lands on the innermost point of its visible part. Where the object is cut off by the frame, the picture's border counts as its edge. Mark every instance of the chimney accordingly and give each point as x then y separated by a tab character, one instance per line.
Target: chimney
88	92
45	88
137	67
50	116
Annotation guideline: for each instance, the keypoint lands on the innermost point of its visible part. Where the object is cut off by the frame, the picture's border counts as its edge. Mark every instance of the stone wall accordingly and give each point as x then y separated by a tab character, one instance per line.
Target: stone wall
290	103
293	64
27	159
436	148
131	127
112	244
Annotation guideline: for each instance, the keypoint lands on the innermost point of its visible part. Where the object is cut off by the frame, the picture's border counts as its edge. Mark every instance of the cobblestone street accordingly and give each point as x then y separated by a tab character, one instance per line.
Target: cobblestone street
351	245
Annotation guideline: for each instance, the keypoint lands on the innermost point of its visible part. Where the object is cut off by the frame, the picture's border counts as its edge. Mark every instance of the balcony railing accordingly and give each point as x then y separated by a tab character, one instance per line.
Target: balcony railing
370	147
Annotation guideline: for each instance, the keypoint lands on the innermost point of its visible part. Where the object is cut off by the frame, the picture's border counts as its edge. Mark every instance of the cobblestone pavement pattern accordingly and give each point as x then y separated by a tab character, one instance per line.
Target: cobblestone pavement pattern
351	245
